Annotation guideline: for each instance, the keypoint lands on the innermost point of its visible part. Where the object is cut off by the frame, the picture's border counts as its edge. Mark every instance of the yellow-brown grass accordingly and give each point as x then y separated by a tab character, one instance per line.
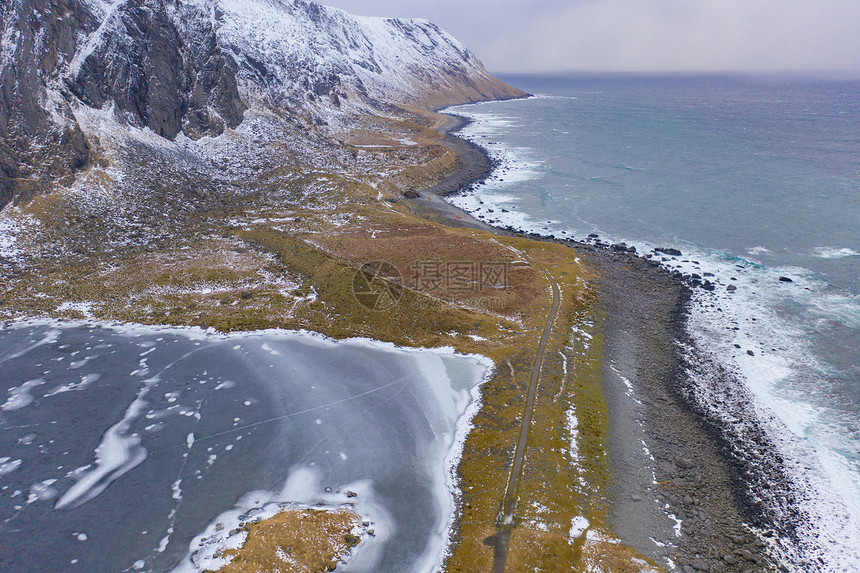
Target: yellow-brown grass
321	251
300	541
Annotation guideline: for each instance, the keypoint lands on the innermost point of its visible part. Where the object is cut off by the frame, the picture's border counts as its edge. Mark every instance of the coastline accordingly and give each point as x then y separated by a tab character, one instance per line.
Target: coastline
325	297
475	166
643	307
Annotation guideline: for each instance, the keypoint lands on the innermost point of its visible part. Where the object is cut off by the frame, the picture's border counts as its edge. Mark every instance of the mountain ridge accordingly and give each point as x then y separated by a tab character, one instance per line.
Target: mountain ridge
195	67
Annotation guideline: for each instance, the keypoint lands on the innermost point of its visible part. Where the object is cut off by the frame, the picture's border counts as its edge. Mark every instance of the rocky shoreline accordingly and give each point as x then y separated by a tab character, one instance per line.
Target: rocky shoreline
666	458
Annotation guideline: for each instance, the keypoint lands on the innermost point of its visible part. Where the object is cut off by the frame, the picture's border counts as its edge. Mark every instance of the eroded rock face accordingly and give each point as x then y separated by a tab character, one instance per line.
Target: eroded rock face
39	139
160	64
194	67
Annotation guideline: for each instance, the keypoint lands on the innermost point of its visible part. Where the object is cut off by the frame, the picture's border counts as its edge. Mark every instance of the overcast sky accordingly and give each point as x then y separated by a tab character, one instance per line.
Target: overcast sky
642	35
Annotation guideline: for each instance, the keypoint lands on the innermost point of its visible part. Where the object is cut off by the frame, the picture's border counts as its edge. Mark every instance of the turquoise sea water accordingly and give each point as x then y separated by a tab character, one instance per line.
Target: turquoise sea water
753	179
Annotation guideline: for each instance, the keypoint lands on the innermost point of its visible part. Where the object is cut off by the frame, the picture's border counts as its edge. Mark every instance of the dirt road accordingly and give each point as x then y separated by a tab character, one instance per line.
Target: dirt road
506	516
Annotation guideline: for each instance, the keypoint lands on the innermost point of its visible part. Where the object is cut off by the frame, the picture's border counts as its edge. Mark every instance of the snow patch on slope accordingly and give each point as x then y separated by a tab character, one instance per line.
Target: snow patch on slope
107	12
305	51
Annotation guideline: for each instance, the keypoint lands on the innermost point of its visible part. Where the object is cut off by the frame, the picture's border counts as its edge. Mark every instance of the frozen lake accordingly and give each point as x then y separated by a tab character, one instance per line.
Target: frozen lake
121	447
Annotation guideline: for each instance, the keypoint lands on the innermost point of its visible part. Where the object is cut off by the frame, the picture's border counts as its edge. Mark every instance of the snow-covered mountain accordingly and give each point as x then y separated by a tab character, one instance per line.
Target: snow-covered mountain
300	50
194	67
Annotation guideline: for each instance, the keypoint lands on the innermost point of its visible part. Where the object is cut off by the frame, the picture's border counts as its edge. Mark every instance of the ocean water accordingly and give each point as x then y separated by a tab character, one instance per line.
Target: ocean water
753	179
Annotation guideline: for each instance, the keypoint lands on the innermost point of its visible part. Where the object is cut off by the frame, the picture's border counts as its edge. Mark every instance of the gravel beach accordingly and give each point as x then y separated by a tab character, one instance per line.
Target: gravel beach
677	496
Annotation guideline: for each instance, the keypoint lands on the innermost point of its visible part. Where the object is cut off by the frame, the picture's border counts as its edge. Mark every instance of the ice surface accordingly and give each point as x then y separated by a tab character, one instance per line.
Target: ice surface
119	452
323	418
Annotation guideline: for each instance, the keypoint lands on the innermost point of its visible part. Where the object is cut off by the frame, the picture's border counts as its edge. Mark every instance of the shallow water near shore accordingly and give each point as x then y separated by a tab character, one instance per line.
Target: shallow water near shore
752	179
122	447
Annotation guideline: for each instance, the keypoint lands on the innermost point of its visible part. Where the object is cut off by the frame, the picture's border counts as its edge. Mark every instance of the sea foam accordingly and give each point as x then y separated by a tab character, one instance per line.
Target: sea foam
783	384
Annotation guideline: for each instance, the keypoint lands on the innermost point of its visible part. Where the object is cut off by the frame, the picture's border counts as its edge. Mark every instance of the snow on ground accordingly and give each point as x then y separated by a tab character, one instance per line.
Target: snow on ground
301	44
578	526
13	225
573	433
84	308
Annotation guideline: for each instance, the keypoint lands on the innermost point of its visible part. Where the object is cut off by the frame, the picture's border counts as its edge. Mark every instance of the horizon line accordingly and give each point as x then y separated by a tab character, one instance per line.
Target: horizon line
687	72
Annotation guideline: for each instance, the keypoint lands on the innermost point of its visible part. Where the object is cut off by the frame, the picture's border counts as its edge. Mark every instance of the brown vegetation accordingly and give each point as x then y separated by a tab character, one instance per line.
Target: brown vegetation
299	540
290	255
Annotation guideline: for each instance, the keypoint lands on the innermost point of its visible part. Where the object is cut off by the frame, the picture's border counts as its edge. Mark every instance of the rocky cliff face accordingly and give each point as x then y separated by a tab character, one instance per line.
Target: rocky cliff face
193	67
39	138
160	66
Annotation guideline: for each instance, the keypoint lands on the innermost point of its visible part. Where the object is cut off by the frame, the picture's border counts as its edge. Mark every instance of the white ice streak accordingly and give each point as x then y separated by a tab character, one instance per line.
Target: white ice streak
43	491
51	336
119	452
176	489
19	396
8	465
85	381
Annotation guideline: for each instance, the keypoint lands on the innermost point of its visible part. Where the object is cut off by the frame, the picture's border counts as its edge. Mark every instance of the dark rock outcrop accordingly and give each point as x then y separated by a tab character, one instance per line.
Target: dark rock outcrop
40	141
162	68
158	62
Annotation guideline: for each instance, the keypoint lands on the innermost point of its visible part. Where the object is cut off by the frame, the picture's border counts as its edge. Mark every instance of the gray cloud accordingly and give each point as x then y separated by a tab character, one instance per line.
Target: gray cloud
642	35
